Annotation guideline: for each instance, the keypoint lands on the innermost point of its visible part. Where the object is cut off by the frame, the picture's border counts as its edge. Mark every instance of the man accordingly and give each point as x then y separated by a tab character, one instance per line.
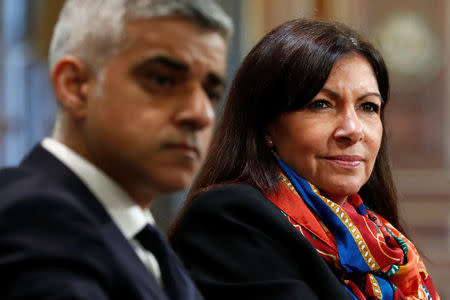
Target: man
137	81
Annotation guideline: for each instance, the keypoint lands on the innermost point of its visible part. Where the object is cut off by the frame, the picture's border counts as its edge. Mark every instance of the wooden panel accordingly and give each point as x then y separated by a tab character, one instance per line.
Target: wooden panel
428	224
261	16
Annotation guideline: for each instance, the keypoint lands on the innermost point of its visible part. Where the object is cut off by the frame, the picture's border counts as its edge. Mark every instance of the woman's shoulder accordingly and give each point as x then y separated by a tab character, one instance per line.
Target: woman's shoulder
227	190
238	211
235	203
225	234
222	198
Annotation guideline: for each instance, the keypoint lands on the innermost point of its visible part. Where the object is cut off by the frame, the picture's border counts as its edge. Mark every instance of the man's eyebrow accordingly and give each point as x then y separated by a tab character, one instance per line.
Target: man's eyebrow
166	61
174	64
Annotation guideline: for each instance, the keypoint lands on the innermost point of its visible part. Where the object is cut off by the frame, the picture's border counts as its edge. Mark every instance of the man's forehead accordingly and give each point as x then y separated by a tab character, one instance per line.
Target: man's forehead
176	38
177	26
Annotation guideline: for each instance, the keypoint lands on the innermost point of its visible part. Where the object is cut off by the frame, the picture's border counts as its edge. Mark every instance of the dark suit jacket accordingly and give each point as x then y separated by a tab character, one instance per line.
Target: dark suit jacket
58	242
238	245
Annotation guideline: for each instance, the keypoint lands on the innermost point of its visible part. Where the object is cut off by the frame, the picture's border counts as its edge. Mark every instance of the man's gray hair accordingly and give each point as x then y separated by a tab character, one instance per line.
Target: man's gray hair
92	29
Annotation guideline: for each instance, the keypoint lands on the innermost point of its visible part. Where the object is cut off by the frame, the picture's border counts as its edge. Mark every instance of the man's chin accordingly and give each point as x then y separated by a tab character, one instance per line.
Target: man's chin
173	184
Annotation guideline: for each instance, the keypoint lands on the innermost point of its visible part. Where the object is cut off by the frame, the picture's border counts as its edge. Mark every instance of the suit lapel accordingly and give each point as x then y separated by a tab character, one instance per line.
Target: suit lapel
124	253
44	162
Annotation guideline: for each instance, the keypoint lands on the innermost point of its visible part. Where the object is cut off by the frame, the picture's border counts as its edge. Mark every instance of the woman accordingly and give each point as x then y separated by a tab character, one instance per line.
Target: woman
296	199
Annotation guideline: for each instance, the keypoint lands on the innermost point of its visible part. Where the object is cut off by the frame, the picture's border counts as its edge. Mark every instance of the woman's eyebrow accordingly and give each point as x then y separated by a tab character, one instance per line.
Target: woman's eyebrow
331	93
336	95
371	94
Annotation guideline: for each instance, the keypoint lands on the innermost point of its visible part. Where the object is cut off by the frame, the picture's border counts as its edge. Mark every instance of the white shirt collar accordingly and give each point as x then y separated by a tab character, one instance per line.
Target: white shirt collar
128	216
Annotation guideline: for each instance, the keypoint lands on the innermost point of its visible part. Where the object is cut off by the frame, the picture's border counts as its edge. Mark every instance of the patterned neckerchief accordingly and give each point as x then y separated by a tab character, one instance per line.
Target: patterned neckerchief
371	257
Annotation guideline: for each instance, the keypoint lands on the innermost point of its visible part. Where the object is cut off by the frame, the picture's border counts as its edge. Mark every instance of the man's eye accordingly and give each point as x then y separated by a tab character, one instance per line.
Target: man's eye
214	96
161	80
370	107
319	104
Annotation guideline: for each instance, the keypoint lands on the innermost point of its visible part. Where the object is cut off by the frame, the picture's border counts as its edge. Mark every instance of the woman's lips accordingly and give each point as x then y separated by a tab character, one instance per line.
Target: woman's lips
346	161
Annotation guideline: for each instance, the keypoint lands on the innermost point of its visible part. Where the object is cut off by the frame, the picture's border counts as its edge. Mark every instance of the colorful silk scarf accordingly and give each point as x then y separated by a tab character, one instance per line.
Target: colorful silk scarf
372	258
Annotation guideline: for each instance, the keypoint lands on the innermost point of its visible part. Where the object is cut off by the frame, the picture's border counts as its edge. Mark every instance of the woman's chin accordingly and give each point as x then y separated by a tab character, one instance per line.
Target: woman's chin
340	192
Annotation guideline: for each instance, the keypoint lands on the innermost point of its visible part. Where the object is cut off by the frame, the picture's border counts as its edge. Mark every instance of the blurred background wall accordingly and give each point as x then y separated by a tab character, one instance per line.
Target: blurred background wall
413	35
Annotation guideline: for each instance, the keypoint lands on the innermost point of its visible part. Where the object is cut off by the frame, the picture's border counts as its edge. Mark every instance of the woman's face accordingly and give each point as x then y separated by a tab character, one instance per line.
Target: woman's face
334	140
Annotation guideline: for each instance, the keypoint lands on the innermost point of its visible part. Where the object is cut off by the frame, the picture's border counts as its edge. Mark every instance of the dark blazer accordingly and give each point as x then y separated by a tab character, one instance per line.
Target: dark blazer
58	242
238	245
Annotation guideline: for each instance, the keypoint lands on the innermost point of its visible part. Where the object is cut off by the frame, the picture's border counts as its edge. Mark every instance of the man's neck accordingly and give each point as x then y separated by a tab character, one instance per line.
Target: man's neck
70	137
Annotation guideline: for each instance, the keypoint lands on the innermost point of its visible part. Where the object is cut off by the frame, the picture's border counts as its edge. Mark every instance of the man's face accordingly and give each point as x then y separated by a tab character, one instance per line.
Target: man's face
150	125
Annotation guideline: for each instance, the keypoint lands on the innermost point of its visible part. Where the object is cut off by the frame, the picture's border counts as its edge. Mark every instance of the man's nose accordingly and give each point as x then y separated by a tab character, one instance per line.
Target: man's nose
349	127
196	109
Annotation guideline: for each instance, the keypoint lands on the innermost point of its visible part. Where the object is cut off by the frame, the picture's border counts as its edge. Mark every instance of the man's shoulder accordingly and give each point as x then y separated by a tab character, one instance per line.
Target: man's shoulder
47	234
12	178
27	183
40	217
32	174
31	197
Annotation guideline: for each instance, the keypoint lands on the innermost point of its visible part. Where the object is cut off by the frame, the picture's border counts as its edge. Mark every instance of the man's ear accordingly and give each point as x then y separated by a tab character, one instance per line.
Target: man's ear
71	79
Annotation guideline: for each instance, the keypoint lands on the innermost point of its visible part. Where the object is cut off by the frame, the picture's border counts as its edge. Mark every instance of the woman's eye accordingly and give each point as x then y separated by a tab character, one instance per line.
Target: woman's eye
370	107
319	104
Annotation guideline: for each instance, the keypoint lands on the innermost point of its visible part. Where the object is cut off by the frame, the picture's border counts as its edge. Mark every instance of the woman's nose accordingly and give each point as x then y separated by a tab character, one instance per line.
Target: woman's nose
349	127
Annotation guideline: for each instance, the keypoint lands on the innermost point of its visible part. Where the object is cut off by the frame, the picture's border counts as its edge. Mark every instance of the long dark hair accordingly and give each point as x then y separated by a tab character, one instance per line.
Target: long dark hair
282	73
